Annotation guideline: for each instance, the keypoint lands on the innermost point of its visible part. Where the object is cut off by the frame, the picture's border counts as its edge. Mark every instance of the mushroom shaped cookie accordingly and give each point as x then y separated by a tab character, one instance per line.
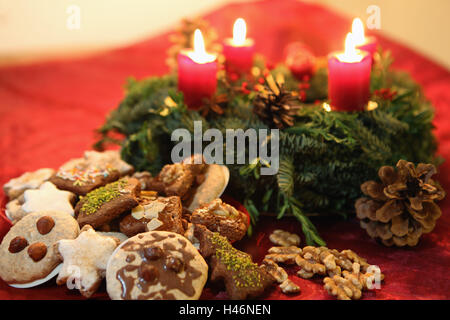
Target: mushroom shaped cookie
213	183
156	265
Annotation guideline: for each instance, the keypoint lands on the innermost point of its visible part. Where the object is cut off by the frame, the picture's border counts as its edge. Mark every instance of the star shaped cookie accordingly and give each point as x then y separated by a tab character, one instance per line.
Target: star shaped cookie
29	180
48	198
84	260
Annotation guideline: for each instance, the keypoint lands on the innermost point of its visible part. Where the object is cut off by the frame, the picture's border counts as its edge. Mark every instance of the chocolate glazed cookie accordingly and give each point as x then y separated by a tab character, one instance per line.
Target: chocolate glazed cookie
156	265
166	210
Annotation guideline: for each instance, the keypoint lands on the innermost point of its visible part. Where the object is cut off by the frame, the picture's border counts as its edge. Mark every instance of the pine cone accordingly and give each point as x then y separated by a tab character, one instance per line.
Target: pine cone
402	207
273	105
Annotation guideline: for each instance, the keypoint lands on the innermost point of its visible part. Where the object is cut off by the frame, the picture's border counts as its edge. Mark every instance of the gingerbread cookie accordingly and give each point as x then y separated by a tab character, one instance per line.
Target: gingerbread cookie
27	251
94	170
223	218
160	213
29	180
85	259
102	205
46	198
242	277
156	265
173	180
144	178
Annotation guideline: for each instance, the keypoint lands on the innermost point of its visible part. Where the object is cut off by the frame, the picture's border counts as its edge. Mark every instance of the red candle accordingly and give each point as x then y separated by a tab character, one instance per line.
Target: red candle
349	78
197	73
368	44
238	50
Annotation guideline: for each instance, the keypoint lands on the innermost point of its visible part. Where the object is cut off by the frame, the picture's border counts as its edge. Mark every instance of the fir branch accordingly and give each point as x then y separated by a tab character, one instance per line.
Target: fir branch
309	230
325	156
285	176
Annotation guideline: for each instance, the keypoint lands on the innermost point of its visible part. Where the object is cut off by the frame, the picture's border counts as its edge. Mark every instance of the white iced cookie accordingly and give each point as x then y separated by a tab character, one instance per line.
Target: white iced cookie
85	259
215	183
29	180
118	235
111	157
48	197
14	210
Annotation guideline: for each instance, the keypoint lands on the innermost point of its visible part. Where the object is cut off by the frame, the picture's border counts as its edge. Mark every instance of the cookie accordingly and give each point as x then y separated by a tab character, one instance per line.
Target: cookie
156	265
94	170
27	251
46	198
102	205
215	180
160	213
173	180
13	210
196	164
85	259
29	180
117	235
144	178
242	277
223	218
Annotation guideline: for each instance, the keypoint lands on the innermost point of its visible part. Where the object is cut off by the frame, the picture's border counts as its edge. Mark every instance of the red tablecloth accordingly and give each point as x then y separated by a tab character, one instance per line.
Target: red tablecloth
48	113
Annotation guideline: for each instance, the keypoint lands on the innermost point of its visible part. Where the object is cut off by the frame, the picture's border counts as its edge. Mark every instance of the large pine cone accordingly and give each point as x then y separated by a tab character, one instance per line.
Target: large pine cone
402	207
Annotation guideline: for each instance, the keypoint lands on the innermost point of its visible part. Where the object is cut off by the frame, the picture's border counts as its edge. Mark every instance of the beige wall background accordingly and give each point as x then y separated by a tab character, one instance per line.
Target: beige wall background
32	30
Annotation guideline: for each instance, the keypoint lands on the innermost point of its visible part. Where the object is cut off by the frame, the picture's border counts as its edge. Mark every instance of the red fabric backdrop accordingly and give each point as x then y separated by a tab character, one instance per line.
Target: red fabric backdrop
48	113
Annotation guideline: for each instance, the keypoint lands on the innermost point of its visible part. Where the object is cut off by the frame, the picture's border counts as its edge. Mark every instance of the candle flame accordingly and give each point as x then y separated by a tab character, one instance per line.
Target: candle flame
351	54
199	54
326	107
199	43
239	32
358	32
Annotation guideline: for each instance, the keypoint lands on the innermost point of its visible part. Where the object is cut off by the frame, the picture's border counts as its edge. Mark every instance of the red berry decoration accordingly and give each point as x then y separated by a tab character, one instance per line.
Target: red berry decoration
300	59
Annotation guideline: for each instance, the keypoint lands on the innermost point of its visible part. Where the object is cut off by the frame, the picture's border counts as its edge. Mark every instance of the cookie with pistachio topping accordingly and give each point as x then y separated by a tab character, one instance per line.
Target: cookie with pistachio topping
103	204
242	277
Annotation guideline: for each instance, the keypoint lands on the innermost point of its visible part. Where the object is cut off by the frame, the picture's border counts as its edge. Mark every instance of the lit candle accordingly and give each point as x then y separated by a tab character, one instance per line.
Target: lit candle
239	50
197	73
362	42
349	77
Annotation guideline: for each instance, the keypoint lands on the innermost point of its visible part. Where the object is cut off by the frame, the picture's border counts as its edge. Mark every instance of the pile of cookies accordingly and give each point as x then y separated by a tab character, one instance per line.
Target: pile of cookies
150	237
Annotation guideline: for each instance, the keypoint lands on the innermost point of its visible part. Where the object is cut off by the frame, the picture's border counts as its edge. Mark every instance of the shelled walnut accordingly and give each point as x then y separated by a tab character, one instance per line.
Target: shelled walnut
285	255
284	238
288	287
275	270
